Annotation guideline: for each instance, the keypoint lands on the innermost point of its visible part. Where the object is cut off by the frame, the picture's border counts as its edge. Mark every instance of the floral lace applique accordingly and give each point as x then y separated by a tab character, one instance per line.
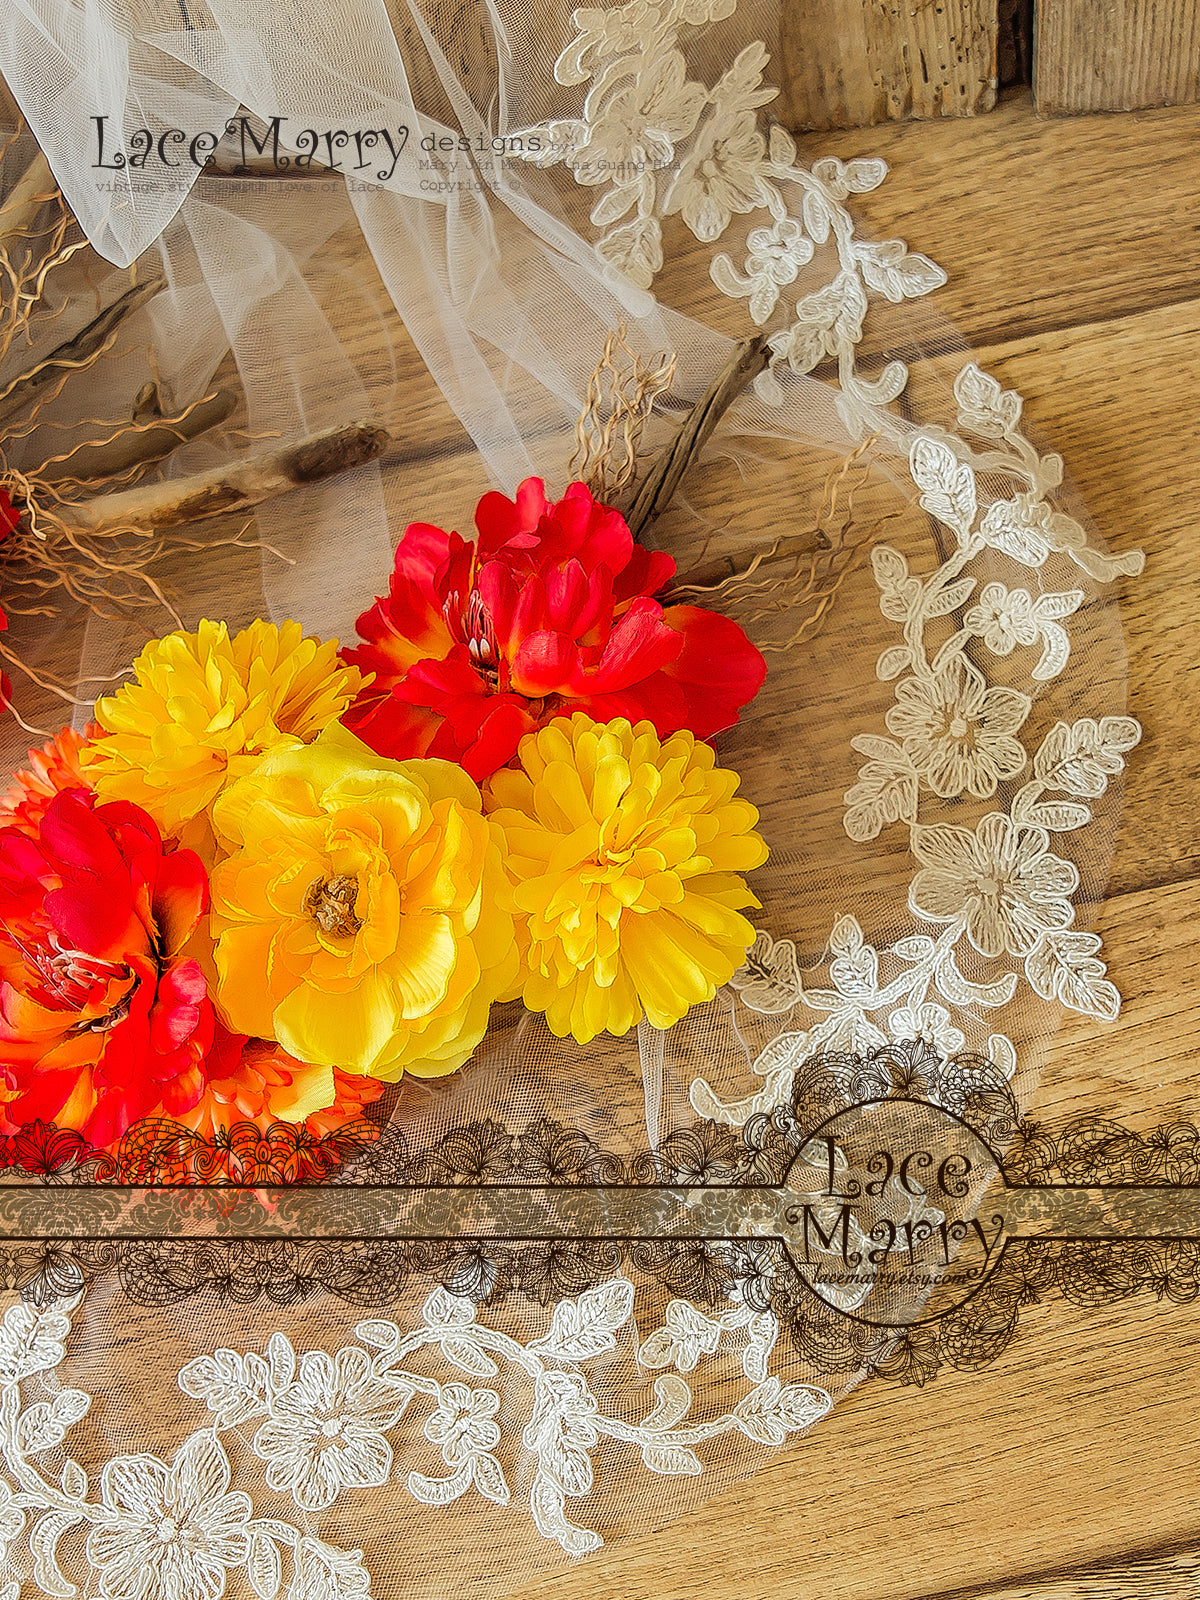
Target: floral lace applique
328	1426
655	143
999	889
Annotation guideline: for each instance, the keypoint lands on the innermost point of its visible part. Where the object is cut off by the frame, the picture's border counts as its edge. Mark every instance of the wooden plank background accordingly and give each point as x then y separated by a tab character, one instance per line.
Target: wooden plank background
1068	1469
1116	55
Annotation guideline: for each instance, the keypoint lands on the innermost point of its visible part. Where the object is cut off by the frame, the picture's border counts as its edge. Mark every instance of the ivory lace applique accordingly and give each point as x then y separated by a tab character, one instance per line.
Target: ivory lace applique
654	143
329	1425
1000	889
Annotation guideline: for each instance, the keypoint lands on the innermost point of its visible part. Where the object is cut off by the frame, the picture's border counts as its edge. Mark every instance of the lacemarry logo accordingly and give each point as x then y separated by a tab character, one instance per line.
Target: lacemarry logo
373	151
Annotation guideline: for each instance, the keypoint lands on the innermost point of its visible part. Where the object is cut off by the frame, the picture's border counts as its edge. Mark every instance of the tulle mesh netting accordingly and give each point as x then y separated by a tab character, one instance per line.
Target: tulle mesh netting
956	721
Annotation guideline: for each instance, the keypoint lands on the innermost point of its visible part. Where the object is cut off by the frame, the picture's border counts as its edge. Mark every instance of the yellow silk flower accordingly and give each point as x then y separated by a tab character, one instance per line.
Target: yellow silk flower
625	853
362	916
202	709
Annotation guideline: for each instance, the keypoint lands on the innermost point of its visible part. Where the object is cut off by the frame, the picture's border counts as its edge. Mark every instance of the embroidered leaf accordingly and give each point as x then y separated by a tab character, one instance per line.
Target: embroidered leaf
1056	649
1064	966
950	598
263	1567
949	483
893	662
444	1308
584	1327
914	948
439	1491
816	215
889	566
74	1480
764	1330
489	1479
756	1417
42	1427
672	1460
546	1501
1002	1053
984	407
469	1357
1059	816
1080	757
380	1335
673	1402
800	1405
769	979
43	1546
233	1388
960	992
281	1361
864	174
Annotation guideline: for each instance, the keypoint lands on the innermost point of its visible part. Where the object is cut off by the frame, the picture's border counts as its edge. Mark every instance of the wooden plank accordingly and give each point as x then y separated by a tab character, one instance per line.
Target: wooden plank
850	62
1116	56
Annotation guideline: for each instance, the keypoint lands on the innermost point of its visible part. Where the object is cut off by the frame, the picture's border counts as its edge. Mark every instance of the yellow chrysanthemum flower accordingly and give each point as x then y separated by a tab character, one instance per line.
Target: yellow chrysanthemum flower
362	916
625	853
203	707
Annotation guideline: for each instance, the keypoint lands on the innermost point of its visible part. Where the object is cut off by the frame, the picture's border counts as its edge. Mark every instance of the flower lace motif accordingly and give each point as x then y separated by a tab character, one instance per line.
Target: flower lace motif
159	1531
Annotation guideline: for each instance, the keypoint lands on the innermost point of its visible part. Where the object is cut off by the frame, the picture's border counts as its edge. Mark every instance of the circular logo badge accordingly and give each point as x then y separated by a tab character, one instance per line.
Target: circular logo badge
885	1219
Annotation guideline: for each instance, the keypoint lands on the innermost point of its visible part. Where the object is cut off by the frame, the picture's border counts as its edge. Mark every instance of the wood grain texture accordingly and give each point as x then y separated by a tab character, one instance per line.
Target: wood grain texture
847	63
1115	55
1067	1470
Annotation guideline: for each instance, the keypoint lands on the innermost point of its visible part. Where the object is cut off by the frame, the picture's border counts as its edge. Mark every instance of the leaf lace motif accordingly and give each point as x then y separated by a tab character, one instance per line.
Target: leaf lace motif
999	890
327	1425
654	143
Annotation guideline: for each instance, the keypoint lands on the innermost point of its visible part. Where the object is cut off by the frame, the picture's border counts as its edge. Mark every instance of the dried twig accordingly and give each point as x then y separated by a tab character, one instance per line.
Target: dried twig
147	438
32	189
82	351
226	489
660	483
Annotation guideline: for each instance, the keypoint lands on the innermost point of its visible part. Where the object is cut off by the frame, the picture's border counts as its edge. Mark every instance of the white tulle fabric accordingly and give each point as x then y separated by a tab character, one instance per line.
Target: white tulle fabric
938	772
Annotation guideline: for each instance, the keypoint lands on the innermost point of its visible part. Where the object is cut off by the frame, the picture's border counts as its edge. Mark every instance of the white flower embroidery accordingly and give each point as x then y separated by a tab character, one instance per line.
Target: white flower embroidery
462	1423
684	1337
325	1432
958	732
176	1530
721	175
637	130
1003	618
930	1022
1000	883
775	256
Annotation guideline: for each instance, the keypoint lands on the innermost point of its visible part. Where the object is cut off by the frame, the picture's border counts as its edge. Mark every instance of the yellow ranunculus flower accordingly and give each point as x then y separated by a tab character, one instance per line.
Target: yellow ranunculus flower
625	853
362	916
203	707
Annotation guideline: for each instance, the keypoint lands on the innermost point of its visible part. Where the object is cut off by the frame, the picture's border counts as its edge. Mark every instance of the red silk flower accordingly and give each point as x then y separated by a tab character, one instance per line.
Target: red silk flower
548	612
101	1019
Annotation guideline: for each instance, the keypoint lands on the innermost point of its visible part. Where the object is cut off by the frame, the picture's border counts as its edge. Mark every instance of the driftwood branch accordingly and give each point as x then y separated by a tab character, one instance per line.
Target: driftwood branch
32	189
78	352
660	483
228	489
139	444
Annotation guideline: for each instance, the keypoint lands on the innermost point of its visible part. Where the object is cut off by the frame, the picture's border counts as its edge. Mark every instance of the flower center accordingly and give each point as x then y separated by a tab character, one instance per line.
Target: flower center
75	980
959	727
330	903
990	888
168	1530
331	1427
480	635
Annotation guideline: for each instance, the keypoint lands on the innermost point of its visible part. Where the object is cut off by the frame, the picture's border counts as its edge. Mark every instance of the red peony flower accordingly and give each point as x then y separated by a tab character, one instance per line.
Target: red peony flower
101	1019
548	612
